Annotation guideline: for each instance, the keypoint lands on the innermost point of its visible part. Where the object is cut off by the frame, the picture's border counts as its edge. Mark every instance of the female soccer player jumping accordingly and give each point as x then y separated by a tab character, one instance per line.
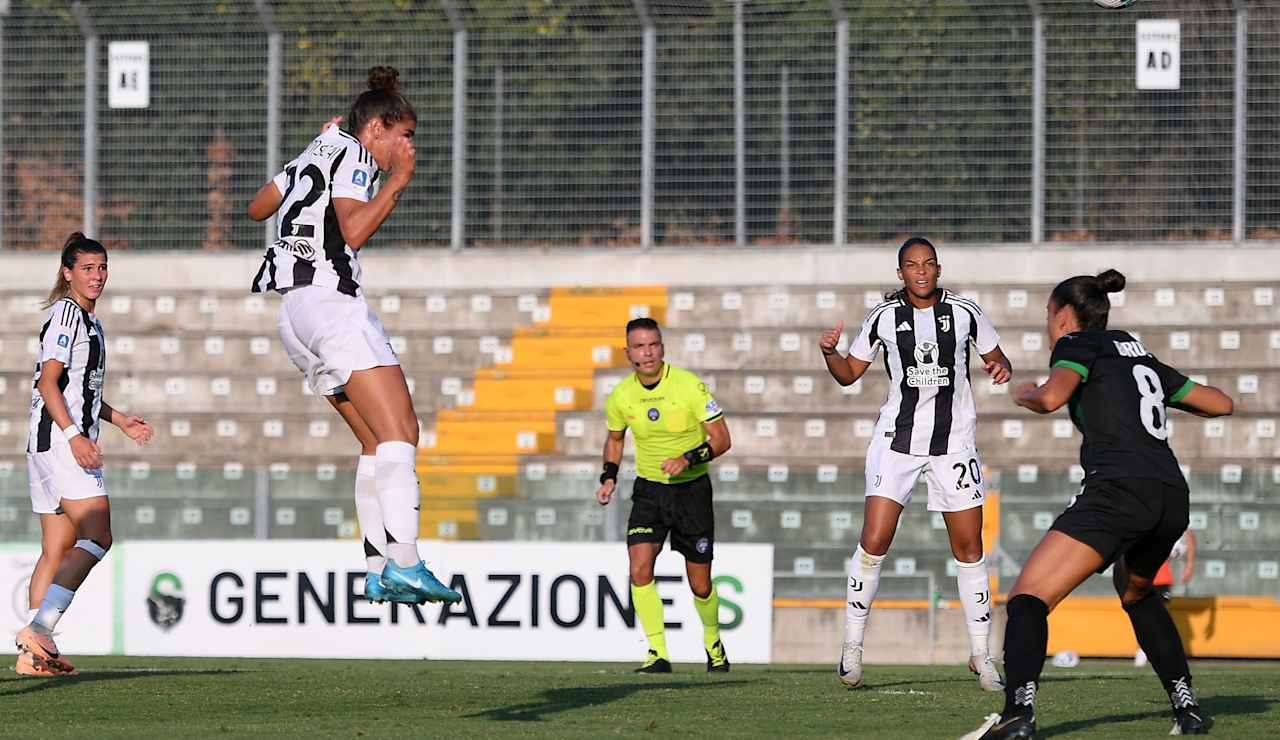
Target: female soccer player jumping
926	427
328	210
1133	506
64	463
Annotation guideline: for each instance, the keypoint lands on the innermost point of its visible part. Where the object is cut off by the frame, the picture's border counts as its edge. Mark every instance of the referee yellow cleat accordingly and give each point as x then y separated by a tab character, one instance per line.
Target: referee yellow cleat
655	663
717	660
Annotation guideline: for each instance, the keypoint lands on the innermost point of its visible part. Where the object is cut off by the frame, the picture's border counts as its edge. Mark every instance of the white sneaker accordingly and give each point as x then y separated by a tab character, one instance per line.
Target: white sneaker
1139	659
988	677
850	668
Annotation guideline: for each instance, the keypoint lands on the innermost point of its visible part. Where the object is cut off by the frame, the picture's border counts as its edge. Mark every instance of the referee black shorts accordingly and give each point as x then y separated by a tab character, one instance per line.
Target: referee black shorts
683	509
1138	518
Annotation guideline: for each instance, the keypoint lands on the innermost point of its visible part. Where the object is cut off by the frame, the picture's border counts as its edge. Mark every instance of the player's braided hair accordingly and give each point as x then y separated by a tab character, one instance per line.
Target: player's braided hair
1087	296
76	245
383	100
900	294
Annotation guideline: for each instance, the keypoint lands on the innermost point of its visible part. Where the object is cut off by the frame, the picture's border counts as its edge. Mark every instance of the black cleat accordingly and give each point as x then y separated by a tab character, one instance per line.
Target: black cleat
717	659
1190	721
1021	726
655	664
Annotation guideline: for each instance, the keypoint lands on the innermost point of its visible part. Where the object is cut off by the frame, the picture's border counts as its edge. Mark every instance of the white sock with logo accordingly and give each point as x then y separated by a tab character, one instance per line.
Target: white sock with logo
369	514
397	483
860	591
975	597
55	603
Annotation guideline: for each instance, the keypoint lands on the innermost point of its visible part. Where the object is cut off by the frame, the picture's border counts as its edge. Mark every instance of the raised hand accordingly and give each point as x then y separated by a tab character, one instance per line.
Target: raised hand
404	157
830	338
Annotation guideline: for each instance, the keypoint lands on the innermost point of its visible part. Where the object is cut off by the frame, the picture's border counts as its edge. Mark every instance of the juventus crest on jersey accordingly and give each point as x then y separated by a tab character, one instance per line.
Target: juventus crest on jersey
310	249
72	336
930	409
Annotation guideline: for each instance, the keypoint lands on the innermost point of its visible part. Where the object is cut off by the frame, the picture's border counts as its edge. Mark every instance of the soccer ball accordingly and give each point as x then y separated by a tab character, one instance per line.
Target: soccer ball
1113	4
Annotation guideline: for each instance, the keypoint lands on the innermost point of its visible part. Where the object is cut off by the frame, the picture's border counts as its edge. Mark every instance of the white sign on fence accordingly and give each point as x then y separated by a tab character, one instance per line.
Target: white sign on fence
128	74
87	627
522	601
1159	55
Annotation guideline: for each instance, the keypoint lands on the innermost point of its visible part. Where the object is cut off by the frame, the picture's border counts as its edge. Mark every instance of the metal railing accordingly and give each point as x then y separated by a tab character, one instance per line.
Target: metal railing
637	122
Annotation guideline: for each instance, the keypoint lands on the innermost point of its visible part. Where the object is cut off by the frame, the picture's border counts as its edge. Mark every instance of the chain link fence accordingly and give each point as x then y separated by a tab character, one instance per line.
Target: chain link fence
647	122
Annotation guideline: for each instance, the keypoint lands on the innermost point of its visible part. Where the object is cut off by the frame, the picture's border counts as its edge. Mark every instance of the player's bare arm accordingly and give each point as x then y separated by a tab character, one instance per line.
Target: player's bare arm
613	445
998	366
1206	402
1047	398
845	369
359	221
718	443
265	202
83	449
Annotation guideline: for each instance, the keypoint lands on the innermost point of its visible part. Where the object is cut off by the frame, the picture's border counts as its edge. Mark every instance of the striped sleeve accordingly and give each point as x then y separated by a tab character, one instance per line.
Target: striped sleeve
982	332
868	341
59	334
355	174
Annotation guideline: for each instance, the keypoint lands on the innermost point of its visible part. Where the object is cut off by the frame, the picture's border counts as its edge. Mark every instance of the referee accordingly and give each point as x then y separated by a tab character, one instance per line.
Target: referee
678	428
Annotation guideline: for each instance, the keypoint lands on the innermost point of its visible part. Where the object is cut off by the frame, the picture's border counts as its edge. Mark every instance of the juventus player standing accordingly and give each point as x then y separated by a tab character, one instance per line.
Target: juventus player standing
64	463
926	427
1132	508
327	211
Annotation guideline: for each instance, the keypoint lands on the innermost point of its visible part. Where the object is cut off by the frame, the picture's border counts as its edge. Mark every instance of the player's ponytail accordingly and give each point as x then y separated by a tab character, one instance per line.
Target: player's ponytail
1087	296
383	100
76	245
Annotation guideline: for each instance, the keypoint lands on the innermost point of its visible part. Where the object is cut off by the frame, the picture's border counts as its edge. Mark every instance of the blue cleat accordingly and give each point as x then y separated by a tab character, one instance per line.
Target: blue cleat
373	590
415	585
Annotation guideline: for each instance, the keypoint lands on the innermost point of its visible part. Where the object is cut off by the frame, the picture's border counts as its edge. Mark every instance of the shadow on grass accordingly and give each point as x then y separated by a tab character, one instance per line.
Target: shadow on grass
17	686
566	699
1216	707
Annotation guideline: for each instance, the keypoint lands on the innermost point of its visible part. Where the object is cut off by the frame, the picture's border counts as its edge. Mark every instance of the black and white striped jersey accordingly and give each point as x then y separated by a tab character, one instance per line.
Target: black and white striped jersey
310	249
72	336
930	409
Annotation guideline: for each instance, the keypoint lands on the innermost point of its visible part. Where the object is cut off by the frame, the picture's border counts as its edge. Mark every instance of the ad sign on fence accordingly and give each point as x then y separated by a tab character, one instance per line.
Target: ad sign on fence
87	628
522	601
1159	57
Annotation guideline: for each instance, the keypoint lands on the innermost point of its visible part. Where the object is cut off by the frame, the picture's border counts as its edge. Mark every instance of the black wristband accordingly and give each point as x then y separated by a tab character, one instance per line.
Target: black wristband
610	472
700	454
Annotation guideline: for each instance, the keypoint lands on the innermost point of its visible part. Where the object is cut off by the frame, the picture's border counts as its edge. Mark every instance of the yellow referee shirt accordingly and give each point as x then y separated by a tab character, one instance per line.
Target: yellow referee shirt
666	420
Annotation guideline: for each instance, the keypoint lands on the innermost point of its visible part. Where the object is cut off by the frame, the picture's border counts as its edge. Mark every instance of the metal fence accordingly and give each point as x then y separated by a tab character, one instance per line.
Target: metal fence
647	122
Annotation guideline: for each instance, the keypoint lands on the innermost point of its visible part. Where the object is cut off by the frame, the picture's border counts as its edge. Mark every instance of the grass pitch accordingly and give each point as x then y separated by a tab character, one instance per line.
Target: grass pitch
186	697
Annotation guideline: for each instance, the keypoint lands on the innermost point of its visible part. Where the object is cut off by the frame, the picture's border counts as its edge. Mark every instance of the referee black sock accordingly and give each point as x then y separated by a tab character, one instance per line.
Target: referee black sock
1159	639
1026	638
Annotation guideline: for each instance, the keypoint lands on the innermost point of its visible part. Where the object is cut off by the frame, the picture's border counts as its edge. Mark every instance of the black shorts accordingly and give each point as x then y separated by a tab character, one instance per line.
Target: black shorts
1138	518
683	509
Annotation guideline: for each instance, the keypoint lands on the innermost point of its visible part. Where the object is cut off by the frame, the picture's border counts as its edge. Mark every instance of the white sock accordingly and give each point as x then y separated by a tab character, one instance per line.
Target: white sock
860	591
369	514
55	603
975	597
397	482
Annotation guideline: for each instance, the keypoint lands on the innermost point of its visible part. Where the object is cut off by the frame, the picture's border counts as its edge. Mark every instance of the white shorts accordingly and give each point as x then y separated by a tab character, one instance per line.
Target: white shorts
55	475
329	335
955	481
